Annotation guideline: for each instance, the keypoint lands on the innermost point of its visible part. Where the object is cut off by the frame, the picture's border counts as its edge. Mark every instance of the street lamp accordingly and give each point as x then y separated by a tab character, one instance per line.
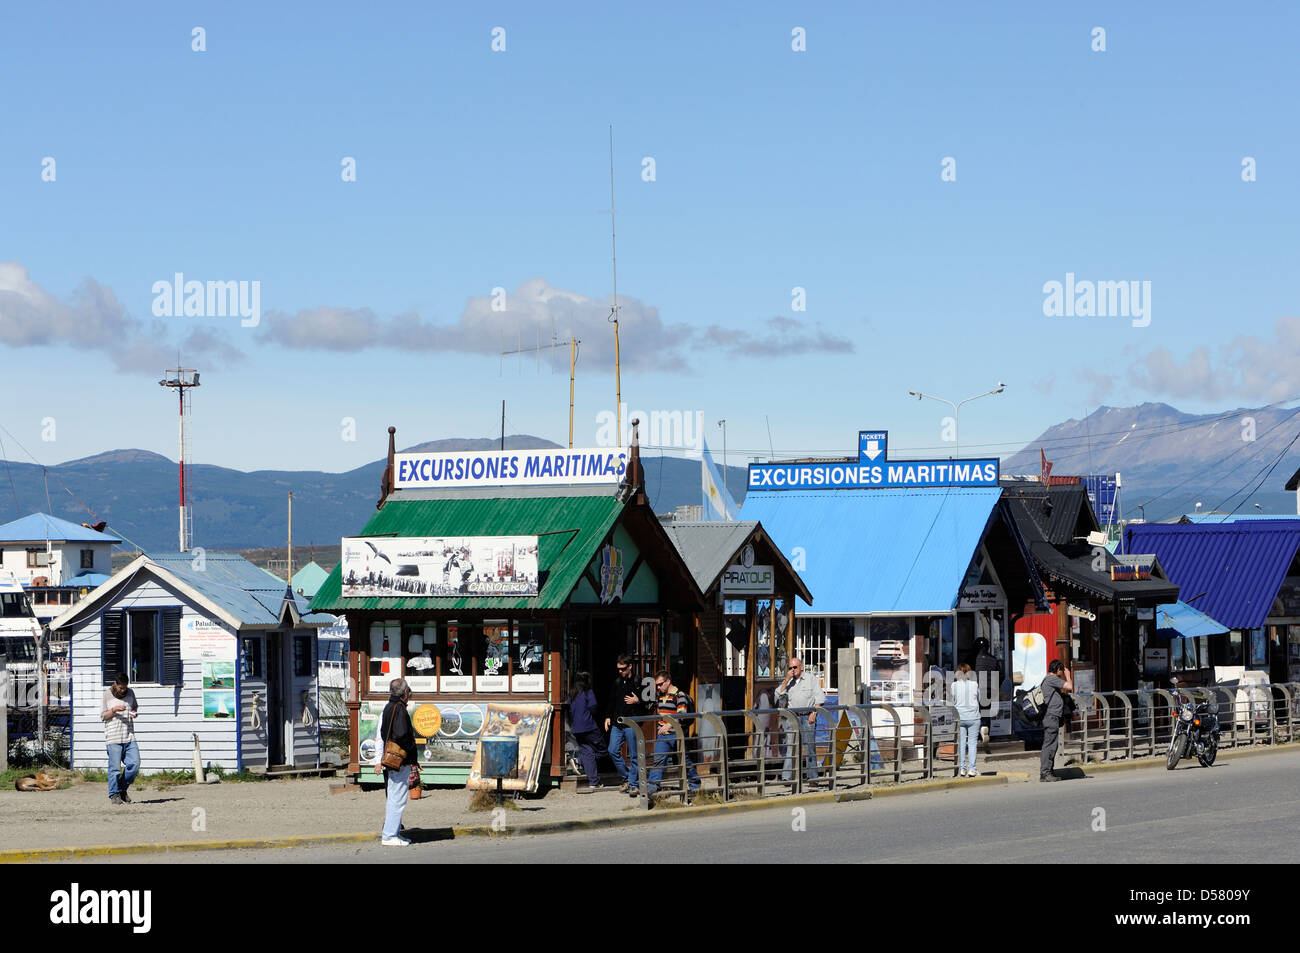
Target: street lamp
956	409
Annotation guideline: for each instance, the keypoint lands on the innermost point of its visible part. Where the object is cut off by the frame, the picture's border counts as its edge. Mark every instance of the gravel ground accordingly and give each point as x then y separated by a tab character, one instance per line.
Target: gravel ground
82	816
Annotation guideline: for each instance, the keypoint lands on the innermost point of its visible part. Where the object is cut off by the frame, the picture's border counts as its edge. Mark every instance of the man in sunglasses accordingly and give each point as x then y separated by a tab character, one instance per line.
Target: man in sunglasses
801	690
624	700
672	701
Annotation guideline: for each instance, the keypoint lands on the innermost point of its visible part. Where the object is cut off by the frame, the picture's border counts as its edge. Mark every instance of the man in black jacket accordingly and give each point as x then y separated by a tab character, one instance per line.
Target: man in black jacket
624	700
395	725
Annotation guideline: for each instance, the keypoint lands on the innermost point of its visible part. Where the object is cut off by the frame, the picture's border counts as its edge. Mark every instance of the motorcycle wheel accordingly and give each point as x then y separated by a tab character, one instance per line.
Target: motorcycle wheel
1177	748
1211	751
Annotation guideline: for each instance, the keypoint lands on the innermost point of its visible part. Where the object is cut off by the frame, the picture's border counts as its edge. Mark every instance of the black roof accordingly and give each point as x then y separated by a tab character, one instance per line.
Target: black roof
1056	514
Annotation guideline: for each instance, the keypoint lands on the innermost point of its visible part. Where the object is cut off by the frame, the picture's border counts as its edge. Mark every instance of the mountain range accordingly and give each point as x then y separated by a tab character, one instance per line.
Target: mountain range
1168	461
135	491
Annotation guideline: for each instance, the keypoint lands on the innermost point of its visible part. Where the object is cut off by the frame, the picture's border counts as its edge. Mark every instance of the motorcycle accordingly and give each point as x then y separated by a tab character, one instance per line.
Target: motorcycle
1196	730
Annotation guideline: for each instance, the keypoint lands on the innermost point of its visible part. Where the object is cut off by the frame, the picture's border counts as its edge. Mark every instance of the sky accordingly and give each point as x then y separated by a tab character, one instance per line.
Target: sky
817	212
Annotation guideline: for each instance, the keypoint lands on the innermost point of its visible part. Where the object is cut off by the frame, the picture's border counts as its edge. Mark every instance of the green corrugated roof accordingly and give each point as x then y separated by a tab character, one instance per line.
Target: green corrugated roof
569	530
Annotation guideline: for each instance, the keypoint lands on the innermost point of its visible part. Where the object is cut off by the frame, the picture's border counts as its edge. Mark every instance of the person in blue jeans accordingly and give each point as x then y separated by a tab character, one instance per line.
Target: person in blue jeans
624	701
672	701
118	713
966	699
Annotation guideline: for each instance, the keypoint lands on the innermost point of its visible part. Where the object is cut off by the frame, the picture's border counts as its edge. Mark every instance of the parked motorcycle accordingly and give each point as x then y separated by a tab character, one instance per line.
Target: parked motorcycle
1196	730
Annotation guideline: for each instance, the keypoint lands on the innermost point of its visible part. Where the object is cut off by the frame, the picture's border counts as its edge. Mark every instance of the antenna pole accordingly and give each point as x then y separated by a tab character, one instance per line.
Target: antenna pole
289	549
503	425
613	245
573	357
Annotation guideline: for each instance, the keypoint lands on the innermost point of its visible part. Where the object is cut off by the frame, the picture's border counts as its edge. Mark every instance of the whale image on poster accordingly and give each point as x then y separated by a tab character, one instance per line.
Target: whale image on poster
433	567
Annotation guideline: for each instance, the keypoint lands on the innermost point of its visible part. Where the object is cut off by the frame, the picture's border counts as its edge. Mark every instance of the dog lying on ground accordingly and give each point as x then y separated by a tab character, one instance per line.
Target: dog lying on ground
36	782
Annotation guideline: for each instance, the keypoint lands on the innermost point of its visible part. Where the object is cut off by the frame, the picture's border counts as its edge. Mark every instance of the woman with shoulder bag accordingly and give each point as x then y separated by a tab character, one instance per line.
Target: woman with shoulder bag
398	759
966	699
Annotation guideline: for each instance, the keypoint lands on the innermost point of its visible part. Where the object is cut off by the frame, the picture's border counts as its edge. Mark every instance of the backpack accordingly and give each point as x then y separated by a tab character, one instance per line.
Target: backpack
1033	705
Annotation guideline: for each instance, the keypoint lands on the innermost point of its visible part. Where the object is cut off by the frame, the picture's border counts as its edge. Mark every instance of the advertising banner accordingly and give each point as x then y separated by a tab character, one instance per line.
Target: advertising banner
873	468
471	468
531	724
432	567
445	734
219	689
204	640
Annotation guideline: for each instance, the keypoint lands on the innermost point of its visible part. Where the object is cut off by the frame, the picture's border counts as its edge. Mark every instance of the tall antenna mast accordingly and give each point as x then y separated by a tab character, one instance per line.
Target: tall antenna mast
183	380
613	314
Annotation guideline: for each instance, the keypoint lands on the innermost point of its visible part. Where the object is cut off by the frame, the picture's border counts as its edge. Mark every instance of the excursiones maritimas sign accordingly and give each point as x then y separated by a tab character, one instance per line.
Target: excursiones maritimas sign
873	469
471	468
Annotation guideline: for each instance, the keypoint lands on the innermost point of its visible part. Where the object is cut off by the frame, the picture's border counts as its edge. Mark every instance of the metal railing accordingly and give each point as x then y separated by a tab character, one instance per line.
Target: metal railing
1111	726
765	752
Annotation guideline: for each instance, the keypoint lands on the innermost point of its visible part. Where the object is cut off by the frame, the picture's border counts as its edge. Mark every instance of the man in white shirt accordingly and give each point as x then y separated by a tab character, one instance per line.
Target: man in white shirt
801	690
118	713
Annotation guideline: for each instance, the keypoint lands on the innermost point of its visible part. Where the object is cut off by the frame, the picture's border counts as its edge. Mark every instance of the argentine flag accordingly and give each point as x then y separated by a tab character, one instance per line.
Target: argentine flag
718	502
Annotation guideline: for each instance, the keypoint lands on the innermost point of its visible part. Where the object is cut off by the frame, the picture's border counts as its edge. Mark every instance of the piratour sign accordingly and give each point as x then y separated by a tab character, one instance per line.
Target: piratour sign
873	469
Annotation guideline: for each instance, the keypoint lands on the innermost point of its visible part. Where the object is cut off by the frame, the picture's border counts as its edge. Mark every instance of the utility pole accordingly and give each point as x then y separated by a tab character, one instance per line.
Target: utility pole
613	314
503	425
289	550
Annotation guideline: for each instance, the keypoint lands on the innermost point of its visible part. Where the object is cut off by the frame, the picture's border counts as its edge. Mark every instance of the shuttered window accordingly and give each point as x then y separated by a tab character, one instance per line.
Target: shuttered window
112	645
172	673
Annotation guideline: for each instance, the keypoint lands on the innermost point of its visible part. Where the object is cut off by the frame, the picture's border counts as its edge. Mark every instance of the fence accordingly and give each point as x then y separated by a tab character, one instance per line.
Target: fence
21	705
766	752
1110	726
762	752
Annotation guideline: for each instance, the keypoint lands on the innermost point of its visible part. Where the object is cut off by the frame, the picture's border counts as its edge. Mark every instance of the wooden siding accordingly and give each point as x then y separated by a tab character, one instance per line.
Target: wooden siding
170	715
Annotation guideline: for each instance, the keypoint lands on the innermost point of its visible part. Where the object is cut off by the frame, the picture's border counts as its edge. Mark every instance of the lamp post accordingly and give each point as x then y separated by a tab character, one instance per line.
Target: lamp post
956	409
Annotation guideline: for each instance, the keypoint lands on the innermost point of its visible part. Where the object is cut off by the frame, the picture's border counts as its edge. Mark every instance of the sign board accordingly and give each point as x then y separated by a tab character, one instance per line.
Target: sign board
531	724
873	468
1155	662
472	468
438	567
980	597
1121	572
204	640
754	581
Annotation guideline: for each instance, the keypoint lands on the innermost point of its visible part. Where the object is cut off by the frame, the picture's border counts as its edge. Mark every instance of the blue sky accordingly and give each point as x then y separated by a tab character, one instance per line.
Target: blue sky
774	170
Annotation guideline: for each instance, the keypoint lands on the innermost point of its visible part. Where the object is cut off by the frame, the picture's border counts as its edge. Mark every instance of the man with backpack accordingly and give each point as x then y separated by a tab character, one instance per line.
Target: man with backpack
1058	681
672	701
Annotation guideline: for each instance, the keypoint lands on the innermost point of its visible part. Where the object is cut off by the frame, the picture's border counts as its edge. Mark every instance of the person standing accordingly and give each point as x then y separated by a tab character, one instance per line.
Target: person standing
395	726
988	671
672	701
801	690
591	742
623	702
1058	680
966	699
118	713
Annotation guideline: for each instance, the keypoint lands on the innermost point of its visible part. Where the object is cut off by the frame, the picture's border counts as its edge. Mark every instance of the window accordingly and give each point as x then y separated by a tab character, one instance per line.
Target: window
250	650
37	558
87	559
144	643
142	646
302	656
812	646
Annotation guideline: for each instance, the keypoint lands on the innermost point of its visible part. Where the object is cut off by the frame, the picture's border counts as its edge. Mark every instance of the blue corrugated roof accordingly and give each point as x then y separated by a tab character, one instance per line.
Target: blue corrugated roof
1179	620
40	526
864	551
246	591
1238	566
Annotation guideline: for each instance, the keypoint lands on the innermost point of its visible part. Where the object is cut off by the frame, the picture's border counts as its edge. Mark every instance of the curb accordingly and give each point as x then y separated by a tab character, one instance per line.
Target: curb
1159	762
38	854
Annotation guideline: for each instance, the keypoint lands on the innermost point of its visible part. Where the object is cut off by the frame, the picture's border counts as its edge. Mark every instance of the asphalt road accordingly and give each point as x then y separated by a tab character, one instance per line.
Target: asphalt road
1243	810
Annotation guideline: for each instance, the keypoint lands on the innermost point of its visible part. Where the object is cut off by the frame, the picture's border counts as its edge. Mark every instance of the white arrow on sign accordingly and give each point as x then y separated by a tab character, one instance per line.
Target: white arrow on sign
873	449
